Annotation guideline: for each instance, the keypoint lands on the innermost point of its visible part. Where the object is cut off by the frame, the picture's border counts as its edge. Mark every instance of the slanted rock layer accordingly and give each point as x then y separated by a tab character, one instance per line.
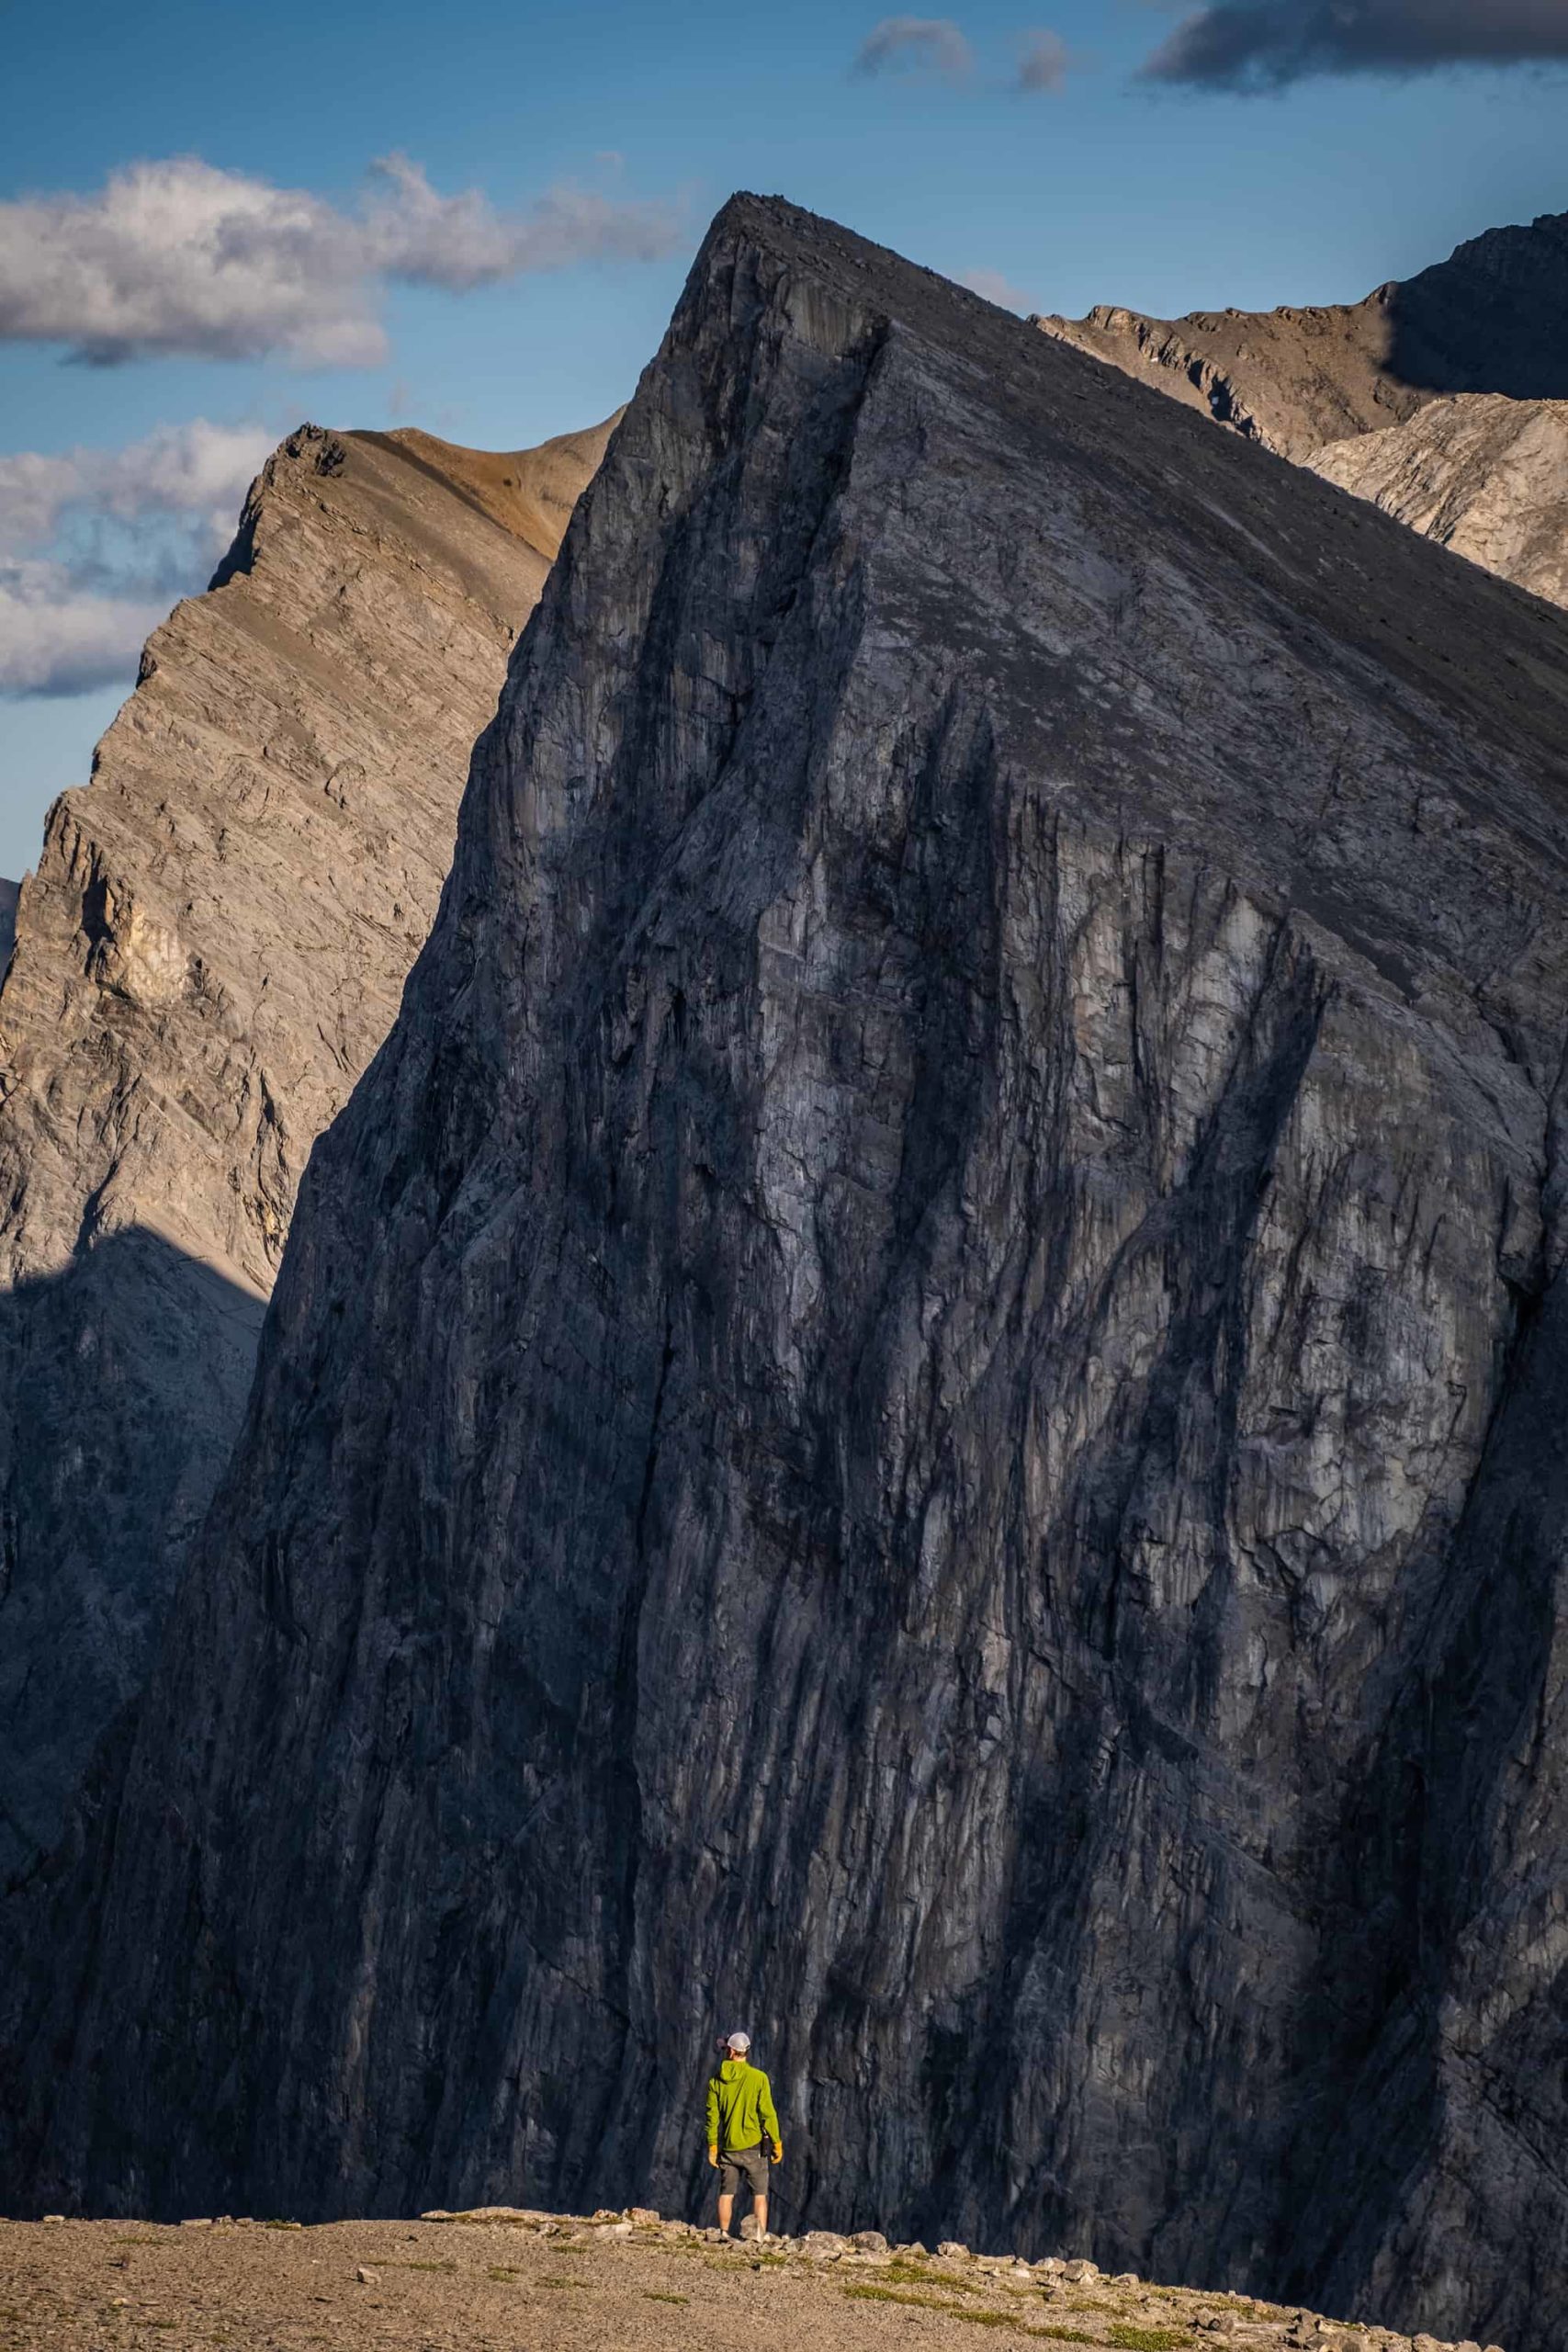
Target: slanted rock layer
919	1399
210	951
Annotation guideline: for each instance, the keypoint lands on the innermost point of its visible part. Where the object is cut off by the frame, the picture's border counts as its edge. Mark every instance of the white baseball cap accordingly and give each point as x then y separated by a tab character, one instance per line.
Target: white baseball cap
738	2042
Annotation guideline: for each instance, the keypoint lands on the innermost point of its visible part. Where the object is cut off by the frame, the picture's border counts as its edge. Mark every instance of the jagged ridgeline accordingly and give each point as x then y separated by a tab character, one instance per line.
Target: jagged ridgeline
919	1400
210	951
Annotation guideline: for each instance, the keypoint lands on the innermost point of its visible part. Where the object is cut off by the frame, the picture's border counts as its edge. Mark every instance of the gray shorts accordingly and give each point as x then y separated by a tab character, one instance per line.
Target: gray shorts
749	2165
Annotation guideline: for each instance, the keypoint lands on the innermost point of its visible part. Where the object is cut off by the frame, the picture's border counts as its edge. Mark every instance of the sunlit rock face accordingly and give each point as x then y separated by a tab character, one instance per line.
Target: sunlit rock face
920	1401
211	949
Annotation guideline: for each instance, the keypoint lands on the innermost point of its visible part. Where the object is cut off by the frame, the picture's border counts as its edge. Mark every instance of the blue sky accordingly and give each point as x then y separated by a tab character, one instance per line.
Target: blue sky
640	119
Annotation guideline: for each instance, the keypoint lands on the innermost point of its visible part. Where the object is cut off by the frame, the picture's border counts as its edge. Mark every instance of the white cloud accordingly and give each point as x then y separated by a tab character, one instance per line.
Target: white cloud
94	544
995	287
933	44
56	640
1043	61
179	257
199	471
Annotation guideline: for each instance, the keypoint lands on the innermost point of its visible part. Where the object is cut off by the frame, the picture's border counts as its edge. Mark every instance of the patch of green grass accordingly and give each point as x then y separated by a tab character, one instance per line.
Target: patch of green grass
894	2295
282	2225
904	2273
1018	2325
654	2296
423	2266
1149	2339
496	2271
564	2282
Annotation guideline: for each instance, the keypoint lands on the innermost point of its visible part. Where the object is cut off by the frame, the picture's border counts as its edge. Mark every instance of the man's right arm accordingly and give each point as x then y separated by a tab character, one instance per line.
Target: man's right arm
713	2120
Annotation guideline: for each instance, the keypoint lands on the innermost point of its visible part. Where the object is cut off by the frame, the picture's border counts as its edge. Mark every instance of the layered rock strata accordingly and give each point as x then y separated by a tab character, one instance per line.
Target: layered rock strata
920	1401
1353	390
1483	475
213	947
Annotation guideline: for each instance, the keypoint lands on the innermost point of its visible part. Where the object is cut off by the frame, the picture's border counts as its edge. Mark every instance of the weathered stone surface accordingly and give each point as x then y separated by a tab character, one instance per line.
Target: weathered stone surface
1349	391
213	947
921	1398
1483	475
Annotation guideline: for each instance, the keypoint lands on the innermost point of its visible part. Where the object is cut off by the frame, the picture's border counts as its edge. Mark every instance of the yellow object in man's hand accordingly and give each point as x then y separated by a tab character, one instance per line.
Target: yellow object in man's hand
778	2151
713	2158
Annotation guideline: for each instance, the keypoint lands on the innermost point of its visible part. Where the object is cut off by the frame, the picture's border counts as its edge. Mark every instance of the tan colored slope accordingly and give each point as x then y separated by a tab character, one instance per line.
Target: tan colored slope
1483	475
1292	379
530	493
213	946
495	2279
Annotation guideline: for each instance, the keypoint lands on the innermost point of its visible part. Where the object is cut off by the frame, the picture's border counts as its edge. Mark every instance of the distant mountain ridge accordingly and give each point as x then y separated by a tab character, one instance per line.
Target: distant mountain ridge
1405	365
211	949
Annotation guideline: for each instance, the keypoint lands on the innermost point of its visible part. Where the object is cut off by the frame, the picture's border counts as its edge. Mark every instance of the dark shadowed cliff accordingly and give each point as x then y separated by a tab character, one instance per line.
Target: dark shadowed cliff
921	1398
211	949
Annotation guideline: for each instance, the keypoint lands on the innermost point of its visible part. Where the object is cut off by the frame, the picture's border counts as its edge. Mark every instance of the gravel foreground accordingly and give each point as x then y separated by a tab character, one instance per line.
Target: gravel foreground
508	2281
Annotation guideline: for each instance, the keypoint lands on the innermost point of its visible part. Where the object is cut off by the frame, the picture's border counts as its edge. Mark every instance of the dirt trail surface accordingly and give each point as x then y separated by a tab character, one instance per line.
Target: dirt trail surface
522	2280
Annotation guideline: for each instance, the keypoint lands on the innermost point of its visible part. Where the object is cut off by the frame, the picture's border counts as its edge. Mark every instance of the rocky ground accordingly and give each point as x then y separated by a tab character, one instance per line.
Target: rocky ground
504	2278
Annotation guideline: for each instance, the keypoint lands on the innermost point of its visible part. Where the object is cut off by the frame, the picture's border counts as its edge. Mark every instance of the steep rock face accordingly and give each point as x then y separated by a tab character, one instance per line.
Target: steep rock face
213	947
918	1400
1485	476
1492	317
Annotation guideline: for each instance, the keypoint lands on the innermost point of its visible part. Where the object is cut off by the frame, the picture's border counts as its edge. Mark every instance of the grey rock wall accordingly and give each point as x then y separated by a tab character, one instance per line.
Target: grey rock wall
919	1399
213	947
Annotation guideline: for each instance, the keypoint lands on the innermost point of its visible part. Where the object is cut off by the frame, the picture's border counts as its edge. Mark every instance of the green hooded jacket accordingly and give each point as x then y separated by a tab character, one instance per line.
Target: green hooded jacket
741	2106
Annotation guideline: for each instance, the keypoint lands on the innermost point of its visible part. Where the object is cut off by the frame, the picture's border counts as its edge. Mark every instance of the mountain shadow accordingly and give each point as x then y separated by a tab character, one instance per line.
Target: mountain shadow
123	1379
1492	317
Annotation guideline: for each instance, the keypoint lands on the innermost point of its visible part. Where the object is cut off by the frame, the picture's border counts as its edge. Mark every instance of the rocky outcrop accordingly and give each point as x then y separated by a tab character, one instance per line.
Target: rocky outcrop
1485	476
919	1400
211	949
1289	379
1349	391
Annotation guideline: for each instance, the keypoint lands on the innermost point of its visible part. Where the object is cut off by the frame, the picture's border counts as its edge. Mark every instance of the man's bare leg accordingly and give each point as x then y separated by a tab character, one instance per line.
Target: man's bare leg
726	2211
760	2207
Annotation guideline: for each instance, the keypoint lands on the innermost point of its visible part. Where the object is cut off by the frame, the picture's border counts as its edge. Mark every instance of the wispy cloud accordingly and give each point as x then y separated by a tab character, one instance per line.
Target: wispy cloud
179	257
54	640
1250	45
199	471
922	44
95	544
996	288
1043	61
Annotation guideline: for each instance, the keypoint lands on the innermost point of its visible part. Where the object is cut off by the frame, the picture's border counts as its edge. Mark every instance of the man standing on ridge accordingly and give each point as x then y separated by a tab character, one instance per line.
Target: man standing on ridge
741	2108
